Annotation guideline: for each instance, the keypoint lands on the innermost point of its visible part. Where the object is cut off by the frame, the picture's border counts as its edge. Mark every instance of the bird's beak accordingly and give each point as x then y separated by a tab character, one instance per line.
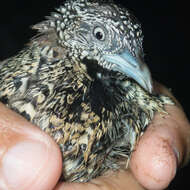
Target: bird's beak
133	67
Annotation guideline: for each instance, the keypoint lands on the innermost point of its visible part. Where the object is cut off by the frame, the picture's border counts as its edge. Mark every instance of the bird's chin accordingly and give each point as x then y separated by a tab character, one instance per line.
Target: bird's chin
93	68
120	71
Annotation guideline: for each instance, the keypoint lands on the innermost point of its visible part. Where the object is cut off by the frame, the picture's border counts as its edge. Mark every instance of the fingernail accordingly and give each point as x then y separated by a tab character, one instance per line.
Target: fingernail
22	163
177	154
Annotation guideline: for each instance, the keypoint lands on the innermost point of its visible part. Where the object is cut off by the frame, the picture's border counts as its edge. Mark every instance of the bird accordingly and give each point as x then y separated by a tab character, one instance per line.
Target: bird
84	81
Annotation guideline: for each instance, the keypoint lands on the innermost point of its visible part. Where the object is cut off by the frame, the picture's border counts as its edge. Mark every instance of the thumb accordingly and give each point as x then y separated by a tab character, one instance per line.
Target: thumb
29	159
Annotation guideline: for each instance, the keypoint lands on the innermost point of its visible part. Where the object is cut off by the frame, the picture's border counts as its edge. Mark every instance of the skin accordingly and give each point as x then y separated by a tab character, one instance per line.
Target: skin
31	160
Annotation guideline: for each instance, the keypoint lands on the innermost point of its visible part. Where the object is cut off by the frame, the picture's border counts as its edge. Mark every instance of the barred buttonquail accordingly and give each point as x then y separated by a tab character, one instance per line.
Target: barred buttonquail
83	81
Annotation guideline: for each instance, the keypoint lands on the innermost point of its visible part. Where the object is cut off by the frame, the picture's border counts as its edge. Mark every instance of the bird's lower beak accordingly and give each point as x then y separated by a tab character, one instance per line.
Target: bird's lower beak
133	67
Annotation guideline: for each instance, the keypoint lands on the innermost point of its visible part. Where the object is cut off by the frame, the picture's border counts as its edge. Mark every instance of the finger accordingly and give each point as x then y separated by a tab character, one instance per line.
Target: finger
29	159
181	119
161	89
117	181
163	147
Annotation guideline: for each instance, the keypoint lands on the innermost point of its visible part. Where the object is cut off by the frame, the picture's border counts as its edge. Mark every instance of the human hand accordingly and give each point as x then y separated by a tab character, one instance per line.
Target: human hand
30	160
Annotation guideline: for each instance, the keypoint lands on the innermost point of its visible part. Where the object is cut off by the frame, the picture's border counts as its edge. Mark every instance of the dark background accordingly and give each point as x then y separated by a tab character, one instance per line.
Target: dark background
165	25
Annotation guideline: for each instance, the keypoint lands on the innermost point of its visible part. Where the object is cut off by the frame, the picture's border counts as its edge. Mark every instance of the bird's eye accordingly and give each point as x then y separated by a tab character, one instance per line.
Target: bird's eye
99	33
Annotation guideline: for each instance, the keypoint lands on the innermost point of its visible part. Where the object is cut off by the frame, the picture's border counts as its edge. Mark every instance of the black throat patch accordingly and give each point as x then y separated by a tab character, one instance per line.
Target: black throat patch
106	89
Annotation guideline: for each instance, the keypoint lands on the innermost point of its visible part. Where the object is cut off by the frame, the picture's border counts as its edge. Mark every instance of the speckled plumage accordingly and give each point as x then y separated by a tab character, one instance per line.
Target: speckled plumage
66	82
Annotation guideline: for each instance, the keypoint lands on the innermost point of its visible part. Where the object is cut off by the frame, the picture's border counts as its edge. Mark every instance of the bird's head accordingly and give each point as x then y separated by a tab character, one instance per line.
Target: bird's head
103	32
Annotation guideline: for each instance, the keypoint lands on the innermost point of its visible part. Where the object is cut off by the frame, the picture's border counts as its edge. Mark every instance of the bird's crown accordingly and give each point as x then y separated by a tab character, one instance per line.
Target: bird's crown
92	24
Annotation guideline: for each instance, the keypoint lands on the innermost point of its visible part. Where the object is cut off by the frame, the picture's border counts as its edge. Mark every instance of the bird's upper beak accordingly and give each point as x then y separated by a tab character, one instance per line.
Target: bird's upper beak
131	66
